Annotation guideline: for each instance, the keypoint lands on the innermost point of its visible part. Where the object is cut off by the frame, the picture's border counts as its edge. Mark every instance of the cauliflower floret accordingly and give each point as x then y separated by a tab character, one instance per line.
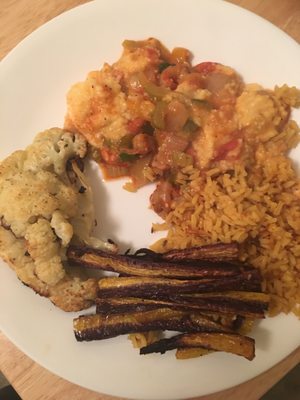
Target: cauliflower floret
70	293
34	195
74	294
14	252
43	247
39	201
52	149
62	228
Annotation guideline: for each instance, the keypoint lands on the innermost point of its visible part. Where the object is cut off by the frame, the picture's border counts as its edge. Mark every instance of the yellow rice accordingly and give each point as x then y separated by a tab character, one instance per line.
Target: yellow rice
256	204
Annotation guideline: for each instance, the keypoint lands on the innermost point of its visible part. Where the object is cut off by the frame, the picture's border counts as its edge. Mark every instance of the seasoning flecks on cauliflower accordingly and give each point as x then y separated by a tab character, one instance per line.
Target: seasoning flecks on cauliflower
43	208
51	150
44	248
62	228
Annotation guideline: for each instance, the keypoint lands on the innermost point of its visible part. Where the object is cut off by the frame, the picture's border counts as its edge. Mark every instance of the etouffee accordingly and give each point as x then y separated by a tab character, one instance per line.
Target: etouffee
153	112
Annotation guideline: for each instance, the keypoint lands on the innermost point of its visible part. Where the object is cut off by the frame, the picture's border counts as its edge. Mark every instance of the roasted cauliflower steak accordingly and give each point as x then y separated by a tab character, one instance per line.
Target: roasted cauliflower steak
45	203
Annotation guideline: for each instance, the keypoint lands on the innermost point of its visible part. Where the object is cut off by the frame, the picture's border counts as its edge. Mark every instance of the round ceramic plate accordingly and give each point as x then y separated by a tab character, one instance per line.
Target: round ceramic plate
34	79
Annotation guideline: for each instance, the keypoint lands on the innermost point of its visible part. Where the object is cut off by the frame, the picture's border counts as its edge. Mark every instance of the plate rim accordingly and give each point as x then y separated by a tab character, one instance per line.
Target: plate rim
75	10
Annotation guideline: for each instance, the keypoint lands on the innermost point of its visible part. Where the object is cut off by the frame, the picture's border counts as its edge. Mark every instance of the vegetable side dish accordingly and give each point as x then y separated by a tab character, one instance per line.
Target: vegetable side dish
45	203
203	292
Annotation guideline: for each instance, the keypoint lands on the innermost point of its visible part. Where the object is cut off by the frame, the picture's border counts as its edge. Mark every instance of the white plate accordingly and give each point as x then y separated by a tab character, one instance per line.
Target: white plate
34	79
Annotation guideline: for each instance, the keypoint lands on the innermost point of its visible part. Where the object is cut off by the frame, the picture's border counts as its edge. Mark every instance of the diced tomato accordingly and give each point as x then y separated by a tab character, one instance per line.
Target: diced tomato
169	77
173	75
109	156
135	125
205	67
226	148
152	54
